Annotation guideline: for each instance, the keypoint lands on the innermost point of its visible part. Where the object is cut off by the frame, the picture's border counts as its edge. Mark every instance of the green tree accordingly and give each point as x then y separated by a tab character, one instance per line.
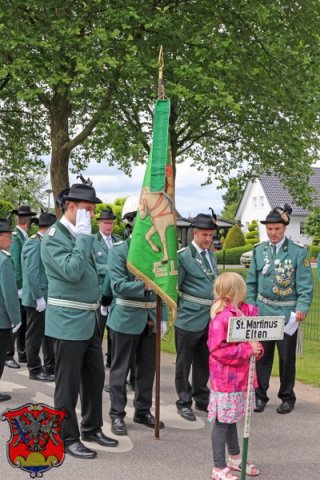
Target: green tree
231	199
234	238
26	187
312	223
242	75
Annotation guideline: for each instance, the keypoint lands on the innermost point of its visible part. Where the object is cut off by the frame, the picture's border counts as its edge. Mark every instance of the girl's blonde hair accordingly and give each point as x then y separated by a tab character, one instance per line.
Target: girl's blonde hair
230	288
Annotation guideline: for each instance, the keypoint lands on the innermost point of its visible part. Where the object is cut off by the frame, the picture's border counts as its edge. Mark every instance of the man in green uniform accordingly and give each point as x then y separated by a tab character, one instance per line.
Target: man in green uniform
34	298
132	326
9	304
19	235
279	282
197	272
72	320
104	241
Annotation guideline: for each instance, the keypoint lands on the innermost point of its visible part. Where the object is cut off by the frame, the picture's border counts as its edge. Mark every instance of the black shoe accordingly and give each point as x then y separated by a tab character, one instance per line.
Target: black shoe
78	450
106	388
187	414
148	420
11	363
4	397
260	405
41	377
201	407
99	438
285	407
118	427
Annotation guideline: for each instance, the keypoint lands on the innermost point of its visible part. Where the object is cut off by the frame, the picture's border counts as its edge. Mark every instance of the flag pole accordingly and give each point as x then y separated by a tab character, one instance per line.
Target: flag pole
158	309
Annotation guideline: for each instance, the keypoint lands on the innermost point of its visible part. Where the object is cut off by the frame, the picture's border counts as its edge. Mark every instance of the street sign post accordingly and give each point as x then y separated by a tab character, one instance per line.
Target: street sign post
253	329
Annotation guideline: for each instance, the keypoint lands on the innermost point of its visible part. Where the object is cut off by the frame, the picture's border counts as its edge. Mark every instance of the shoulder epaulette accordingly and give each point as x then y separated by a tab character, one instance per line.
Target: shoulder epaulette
257	244
118	243
181	249
298	244
14	233
6	252
52	232
33	236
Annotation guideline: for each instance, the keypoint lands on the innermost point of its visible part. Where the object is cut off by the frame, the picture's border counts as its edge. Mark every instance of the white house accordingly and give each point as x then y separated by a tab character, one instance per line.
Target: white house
266	193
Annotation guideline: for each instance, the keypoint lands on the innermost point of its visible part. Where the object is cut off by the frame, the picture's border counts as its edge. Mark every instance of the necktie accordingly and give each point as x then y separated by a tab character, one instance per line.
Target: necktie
274	250
109	242
205	260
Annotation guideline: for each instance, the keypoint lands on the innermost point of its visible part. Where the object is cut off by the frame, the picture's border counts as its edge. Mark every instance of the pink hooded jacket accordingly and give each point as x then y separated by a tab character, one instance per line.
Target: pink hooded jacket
229	362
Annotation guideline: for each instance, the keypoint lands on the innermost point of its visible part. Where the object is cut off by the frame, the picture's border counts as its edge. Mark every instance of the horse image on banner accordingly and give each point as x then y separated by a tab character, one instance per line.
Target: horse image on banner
159	206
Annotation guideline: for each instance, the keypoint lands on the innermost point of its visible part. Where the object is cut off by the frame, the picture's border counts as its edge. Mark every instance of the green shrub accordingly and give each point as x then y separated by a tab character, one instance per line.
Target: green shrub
5	208
232	255
316	240
234	238
252	241
252	234
313	250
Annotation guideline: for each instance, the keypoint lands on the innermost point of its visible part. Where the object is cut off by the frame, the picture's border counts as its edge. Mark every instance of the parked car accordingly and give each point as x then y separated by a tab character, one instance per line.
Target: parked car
245	258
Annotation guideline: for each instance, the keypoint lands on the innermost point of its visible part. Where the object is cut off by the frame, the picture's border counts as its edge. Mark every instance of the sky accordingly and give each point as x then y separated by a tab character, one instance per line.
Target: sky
191	198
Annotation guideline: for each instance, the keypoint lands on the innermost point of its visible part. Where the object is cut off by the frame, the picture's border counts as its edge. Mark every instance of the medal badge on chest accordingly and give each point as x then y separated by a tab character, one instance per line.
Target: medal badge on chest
283	272
267	261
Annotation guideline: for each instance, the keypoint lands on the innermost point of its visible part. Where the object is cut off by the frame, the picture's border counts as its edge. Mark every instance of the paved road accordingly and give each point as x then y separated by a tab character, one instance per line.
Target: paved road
283	447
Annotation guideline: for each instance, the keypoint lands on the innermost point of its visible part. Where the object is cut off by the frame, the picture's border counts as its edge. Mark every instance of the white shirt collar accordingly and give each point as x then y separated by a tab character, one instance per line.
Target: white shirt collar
24	233
69	226
199	250
279	244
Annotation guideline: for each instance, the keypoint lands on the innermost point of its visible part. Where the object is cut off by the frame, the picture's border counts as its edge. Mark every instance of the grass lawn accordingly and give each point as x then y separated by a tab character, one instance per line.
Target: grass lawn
308	364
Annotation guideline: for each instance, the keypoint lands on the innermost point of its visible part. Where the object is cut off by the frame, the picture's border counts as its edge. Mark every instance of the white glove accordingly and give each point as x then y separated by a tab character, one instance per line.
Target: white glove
15	328
41	304
164	328
20	293
83	221
104	310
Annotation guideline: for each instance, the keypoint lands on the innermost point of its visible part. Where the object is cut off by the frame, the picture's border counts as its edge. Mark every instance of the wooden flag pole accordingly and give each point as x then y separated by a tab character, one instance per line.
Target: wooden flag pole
158	357
247	420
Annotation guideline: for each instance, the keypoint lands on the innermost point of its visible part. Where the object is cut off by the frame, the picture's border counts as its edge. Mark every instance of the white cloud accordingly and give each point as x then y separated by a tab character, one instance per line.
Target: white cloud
111	183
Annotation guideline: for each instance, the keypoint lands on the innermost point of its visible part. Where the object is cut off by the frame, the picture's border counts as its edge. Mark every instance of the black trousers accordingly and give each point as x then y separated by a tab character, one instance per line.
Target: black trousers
19	337
79	369
5	338
192	350
126	347
287	368
35	338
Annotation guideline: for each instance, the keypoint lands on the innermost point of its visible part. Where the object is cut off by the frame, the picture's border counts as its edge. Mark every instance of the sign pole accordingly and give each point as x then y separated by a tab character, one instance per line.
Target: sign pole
157	380
247	420
252	329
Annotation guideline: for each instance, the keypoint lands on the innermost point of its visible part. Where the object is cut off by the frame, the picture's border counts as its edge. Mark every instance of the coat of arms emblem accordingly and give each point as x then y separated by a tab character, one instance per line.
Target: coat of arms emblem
35	445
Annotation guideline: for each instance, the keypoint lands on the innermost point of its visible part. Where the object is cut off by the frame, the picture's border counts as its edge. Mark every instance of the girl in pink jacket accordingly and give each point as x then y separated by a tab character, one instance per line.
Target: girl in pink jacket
229	369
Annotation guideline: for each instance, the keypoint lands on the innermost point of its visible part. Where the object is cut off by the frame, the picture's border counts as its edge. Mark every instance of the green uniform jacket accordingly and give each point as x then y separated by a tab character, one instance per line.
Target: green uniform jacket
9	301
286	276
124	285
194	279
35	283
72	275
15	249
100	251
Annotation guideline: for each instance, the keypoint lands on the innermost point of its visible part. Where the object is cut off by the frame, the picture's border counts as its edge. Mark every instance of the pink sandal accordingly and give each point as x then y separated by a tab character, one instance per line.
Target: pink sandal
224	474
235	464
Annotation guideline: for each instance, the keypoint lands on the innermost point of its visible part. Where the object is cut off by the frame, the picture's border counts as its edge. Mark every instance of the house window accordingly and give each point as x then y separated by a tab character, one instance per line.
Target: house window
261	201
302	232
254	201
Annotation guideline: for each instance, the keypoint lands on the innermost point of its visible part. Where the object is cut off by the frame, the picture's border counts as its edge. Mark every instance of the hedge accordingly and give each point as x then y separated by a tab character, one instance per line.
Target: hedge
252	241
232	255
234	238
313	250
252	234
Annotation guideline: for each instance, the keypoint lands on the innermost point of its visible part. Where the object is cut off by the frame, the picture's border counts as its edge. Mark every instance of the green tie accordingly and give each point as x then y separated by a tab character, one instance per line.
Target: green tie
274	250
205	260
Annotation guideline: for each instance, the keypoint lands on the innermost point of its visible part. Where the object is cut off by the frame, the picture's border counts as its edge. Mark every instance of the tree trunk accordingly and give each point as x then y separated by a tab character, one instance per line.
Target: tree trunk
59	123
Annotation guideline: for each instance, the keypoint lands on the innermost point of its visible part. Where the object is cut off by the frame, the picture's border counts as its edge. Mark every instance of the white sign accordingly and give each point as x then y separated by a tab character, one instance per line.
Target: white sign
255	329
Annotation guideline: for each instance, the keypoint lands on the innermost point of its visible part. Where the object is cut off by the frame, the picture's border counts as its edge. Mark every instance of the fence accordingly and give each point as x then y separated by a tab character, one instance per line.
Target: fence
311	326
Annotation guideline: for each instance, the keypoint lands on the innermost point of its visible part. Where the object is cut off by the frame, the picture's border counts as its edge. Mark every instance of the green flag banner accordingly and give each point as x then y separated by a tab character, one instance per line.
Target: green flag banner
152	253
